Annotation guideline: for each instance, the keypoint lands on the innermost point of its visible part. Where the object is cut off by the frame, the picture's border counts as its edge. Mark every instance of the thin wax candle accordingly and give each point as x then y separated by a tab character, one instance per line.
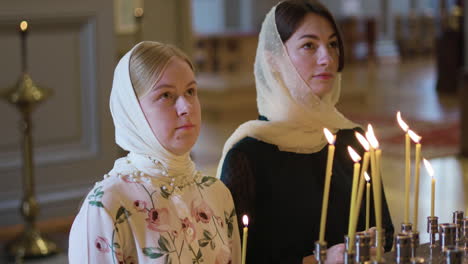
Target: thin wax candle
417	165
405	128
376	186
367	201
430	171
328	173
352	211
245	220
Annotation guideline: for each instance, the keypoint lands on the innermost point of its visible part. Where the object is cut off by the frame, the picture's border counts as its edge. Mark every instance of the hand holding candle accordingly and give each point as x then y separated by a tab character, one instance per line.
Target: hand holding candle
405	128
245	220
328	172
417	163
430	171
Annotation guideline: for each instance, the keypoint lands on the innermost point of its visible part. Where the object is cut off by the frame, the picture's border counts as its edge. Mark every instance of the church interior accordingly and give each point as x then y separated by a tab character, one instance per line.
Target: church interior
401	55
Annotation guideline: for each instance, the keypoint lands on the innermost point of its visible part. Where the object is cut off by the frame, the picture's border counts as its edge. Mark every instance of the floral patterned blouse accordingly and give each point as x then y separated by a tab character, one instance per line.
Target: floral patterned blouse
136	218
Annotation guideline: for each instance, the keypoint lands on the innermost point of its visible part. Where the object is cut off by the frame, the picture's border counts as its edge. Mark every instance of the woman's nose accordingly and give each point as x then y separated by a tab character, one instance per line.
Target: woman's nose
324	56
183	106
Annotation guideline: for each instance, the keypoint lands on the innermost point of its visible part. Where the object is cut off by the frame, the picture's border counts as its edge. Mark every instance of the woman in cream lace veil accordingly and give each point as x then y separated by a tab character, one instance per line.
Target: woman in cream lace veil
278	161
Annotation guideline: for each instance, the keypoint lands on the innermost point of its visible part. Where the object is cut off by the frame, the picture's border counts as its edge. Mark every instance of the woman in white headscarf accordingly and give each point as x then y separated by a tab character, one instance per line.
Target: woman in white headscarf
154	206
275	166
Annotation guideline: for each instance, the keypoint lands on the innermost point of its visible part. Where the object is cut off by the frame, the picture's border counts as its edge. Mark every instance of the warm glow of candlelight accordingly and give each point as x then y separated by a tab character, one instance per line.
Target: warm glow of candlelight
245	220
330	137
371	137
353	154
24	25
362	140
366	176
402	123
429	168
415	137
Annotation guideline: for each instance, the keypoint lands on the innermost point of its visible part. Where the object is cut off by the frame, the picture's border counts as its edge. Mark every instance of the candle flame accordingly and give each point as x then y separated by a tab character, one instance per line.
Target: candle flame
371	137
415	137
429	168
402	123
353	154
245	220
362	140
330	137
366	176
24	25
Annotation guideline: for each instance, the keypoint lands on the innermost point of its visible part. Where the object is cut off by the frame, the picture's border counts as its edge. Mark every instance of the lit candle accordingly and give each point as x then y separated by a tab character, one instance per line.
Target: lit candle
405	128
352	211
331	151
417	161
24	34
365	165
430	171
245	220
376	186
367	200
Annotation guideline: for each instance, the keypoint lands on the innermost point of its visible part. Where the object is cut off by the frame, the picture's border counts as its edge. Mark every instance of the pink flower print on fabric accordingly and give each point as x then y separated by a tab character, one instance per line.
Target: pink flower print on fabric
102	244
189	230
158	220
201	211
223	256
139	205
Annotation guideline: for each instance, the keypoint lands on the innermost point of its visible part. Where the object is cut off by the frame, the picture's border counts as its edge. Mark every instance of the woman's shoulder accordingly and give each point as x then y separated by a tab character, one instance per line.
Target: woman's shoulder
252	145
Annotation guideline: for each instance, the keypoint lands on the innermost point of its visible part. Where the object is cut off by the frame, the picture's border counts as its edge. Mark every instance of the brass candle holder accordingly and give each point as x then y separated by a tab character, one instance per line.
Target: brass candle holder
26	95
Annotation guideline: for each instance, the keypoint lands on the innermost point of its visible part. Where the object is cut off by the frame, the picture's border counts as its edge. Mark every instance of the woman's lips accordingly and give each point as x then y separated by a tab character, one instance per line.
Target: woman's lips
188	126
324	76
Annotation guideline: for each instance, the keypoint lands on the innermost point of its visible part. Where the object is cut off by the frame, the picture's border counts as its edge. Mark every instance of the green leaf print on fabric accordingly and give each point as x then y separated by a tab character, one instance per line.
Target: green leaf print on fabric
163	249
152	253
207	181
122	215
229	218
96	196
207	239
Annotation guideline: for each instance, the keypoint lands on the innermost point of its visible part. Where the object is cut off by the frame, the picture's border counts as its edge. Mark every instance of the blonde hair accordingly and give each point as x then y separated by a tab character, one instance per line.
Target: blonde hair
147	64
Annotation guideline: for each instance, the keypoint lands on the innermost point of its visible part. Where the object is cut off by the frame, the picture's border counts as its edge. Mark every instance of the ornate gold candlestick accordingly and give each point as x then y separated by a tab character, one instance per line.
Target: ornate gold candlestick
26	96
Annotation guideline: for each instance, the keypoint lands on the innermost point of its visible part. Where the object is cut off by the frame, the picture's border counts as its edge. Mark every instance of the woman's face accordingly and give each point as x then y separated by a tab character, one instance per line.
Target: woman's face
313	49
172	108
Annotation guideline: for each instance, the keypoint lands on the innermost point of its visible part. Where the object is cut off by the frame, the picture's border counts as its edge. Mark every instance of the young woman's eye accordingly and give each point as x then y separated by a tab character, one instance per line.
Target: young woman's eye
334	44
309	46
191	92
166	95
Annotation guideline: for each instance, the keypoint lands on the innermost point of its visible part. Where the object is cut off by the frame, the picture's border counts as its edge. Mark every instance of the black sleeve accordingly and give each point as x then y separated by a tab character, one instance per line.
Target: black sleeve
237	175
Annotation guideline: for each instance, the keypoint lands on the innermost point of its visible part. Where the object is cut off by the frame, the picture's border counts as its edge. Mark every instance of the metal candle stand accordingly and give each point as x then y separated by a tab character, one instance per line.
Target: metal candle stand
320	251
26	95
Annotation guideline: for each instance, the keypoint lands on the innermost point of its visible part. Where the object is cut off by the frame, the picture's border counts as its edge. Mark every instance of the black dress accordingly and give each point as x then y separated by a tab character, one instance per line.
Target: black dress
282	193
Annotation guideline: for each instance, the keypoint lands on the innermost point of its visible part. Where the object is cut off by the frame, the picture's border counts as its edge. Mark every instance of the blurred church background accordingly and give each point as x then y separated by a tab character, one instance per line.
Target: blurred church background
406	55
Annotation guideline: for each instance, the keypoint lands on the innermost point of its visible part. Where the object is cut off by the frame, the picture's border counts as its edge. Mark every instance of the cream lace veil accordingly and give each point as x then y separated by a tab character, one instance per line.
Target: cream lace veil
296	115
134	134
